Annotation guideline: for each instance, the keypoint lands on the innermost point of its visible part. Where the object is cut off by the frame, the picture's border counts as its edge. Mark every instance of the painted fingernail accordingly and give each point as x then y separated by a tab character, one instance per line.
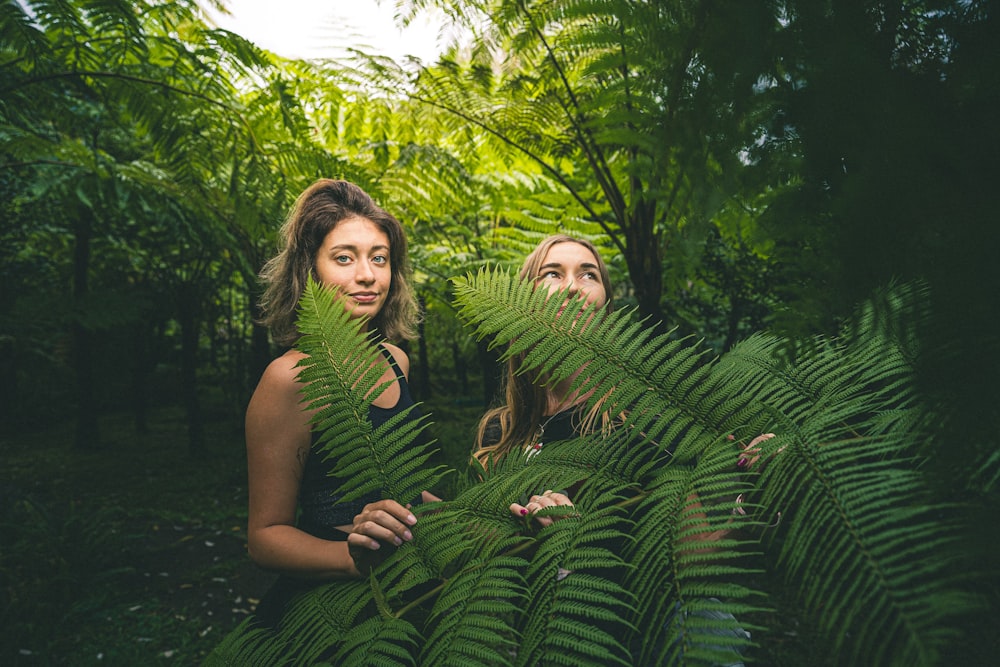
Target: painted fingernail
407	536
524	511
397	541
742	462
410	519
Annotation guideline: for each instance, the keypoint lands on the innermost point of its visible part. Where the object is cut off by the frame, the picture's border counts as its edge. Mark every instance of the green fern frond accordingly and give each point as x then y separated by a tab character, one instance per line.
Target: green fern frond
340	377
522	318
312	622
578	606
474	618
861	537
863	542
677	571
379	640
867	546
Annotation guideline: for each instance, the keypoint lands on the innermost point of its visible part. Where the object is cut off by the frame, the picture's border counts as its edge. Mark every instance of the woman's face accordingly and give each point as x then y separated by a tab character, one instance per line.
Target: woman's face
571	266
354	257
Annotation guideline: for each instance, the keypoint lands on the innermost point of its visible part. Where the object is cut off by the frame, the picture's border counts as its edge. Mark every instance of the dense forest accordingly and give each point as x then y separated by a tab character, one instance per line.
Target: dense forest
743	166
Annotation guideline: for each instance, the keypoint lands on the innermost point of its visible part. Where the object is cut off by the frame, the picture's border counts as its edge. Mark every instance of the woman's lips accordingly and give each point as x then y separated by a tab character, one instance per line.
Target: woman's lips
365	297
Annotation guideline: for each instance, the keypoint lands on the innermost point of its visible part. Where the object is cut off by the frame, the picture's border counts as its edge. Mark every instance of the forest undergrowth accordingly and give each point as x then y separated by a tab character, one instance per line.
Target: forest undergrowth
135	553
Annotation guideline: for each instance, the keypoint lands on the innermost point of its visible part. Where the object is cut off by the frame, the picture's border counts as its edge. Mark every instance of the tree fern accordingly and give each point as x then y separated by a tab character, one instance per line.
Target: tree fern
627	578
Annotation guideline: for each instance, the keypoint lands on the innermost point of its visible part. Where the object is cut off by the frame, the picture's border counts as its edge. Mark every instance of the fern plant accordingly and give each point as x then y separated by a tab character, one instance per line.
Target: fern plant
625	578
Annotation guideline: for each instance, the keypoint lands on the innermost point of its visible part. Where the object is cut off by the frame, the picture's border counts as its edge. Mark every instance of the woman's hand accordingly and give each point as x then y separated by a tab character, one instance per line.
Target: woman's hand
536	503
383	522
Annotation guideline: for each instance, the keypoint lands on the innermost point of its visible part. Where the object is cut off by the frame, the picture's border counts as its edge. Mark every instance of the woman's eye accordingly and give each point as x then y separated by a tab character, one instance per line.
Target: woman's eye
589	275
342	259
550	275
380	259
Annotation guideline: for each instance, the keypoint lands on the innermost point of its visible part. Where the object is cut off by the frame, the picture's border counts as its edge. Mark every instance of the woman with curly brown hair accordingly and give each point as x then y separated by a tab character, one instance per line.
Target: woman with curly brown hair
337	235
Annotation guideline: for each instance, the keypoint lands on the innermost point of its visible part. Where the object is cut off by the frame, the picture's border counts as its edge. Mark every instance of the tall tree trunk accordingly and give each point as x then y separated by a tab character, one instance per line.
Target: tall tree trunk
141	367
9	412
260	346
188	317
642	256
423	384
87	433
145	335
463	372
489	362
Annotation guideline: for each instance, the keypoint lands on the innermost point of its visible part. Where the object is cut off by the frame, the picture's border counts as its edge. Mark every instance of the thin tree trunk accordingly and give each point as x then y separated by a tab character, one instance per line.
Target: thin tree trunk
187	315
642	256
141	367
733	320
423	384
463	372
260	347
489	362
87	432
9	412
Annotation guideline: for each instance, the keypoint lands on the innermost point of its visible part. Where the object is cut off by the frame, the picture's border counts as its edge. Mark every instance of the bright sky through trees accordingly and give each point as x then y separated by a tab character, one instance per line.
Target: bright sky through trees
326	28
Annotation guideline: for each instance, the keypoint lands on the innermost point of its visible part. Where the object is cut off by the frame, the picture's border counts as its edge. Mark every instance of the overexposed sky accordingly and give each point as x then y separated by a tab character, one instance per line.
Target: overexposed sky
326	28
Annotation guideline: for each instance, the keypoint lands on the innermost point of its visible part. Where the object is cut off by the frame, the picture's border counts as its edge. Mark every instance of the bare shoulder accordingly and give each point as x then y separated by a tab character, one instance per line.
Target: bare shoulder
399	357
275	415
285	369
280	380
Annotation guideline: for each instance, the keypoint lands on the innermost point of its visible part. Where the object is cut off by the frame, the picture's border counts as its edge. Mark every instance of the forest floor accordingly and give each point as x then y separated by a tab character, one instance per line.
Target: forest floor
132	554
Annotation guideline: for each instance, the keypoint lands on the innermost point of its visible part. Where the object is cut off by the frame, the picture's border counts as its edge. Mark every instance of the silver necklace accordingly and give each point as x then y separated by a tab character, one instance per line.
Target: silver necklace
540	434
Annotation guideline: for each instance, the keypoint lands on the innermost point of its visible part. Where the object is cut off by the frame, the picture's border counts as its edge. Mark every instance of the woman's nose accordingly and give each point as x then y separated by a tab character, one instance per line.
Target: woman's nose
364	273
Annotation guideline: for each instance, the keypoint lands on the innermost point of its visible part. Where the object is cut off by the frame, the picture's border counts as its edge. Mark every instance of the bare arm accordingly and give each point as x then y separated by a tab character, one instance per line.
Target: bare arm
278	440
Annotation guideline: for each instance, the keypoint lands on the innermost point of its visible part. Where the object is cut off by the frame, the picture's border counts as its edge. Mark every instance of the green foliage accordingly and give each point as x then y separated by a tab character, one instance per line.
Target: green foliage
635	113
340	378
626	578
833	147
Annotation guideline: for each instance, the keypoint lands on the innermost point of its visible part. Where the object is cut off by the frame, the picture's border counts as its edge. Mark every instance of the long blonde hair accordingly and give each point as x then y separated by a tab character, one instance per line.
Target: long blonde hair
317	210
525	402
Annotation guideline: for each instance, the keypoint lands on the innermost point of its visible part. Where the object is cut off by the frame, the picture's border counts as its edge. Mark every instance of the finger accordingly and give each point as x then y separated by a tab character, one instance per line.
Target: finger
754	445
518	510
388	513
397	511
378	523
561	499
751	453
360	541
395	533
541	503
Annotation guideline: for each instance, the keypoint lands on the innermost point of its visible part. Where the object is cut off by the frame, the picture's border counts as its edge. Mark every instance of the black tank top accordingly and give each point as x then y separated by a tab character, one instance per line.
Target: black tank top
320	514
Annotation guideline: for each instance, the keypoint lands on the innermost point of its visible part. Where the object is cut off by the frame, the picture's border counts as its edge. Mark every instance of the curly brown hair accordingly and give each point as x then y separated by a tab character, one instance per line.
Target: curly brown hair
317	210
